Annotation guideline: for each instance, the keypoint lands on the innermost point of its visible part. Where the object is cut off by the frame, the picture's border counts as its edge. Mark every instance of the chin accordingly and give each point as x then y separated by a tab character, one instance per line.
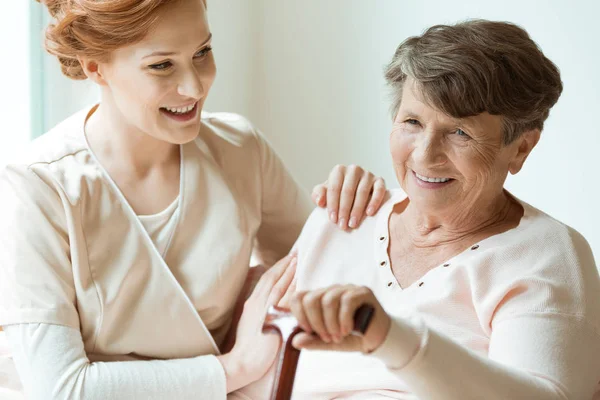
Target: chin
178	136
182	139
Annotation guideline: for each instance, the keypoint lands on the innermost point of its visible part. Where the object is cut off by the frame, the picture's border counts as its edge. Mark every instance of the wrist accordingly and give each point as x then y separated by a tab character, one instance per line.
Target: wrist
377	335
235	377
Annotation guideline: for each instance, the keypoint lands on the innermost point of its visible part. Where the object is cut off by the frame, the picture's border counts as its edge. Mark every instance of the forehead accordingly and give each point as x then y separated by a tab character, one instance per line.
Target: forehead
180	23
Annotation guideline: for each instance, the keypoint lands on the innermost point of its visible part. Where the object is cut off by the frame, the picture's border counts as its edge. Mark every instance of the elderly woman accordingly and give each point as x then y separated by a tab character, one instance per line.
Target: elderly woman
477	294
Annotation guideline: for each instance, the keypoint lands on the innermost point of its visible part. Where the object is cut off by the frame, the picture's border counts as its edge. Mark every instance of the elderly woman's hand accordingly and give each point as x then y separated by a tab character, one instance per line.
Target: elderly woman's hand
349	193
327	318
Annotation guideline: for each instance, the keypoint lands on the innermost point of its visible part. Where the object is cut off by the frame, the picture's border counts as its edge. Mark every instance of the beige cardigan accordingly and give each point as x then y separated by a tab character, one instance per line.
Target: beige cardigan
73	252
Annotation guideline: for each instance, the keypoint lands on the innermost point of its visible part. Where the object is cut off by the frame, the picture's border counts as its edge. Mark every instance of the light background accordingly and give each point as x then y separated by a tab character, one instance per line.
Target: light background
309	75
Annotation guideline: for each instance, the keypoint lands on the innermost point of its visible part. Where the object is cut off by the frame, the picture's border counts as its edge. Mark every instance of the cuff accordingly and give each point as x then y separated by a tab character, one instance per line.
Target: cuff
405	342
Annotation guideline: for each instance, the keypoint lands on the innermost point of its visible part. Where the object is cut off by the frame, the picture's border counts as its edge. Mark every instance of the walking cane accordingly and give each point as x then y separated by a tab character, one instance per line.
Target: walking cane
282	322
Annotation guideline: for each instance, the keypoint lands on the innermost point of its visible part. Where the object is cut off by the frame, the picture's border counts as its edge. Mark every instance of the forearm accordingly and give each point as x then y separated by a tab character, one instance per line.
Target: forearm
52	364
443	369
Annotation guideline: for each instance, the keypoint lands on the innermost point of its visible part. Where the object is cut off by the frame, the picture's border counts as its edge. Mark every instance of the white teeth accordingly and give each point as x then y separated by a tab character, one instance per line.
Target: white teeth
180	110
432	180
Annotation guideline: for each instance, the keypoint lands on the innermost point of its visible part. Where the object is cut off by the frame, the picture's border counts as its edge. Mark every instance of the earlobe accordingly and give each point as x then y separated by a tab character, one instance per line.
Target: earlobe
91	68
524	145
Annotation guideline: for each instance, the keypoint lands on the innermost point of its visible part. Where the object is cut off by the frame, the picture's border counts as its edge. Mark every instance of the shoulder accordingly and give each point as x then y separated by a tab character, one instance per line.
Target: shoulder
64	139
320	235
233	128
542	266
52	163
543	238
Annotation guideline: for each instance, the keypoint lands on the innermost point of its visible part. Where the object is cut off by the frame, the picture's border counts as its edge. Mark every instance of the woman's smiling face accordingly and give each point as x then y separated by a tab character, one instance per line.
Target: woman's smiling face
445	164
159	84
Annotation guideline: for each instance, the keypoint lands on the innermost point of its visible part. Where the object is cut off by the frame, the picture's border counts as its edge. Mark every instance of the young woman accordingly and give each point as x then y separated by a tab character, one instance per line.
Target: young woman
127	230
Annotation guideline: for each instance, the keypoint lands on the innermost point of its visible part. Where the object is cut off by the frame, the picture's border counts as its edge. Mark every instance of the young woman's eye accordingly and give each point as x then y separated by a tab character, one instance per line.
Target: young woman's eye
160	67
202	53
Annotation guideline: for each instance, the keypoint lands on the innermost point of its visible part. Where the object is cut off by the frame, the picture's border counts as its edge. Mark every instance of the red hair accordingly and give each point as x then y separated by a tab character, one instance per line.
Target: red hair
94	28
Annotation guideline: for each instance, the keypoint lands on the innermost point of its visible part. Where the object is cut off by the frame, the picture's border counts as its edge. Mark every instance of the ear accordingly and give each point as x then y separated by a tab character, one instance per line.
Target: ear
93	70
523	147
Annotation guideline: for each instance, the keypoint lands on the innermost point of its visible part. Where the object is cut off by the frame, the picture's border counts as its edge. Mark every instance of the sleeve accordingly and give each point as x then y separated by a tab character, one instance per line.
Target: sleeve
285	206
36	280
531	356
52	364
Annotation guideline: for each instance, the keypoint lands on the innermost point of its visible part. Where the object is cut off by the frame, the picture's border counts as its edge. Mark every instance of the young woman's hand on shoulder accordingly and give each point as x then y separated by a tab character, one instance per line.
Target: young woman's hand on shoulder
350	193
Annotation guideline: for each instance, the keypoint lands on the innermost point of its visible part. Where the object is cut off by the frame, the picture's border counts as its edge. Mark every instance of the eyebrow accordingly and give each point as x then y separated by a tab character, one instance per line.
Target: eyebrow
170	53
409	114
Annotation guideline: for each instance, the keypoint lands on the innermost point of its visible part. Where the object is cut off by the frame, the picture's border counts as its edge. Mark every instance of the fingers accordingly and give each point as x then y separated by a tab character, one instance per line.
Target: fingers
363	193
319	194
313	311
270	278
285	302
283	283
297	308
350	301
377	196
330	303
319	311
307	341
348	192
334	189
329	314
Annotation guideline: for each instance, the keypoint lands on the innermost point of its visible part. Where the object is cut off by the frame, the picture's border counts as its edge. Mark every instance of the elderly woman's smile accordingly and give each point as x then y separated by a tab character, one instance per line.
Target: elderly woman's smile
449	166
427	181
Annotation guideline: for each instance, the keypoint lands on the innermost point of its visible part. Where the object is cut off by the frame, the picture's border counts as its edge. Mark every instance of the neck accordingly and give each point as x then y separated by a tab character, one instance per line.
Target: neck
125	147
429	229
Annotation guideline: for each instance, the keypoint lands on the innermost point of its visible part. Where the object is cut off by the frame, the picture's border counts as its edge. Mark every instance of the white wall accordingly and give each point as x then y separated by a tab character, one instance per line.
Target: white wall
15	67
309	74
324	100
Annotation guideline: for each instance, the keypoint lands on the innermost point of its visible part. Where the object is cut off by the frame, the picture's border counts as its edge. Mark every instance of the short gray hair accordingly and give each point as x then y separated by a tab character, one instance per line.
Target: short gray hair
479	66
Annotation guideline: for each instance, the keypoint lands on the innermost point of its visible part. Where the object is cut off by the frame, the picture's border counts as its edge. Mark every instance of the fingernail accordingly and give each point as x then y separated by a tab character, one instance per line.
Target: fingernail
343	223
352	223
370	210
337	339
333	217
326	339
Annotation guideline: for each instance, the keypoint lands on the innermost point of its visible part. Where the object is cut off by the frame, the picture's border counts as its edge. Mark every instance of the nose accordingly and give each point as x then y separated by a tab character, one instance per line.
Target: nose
191	85
429	150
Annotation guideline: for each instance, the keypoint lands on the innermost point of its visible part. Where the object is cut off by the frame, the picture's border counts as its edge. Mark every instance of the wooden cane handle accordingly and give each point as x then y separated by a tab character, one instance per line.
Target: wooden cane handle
281	321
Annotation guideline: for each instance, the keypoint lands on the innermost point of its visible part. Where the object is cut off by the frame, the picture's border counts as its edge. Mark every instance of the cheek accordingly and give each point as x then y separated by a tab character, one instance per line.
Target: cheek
141	91
208	74
400	147
479	165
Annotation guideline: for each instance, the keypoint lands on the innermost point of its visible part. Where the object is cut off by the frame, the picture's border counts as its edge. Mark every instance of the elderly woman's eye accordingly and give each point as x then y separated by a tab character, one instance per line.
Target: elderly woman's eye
460	132
412	121
160	67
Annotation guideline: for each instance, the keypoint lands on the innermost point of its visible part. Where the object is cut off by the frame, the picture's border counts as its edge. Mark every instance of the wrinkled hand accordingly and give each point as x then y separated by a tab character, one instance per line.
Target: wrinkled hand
327	318
347	193
255	352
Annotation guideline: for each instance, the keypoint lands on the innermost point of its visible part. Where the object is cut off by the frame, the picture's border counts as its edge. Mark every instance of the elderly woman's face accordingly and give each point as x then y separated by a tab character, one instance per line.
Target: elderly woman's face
446	164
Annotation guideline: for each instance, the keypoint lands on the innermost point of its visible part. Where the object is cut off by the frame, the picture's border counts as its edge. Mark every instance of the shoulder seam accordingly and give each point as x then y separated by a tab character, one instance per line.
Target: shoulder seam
58	159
